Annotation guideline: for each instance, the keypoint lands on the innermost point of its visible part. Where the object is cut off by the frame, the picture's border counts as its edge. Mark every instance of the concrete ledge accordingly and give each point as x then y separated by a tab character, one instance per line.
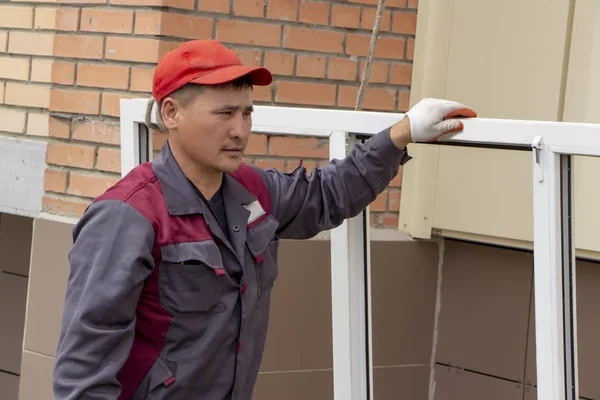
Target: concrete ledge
22	166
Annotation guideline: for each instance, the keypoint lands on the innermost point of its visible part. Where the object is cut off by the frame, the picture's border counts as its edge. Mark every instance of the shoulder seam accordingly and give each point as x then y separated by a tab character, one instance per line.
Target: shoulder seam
139	187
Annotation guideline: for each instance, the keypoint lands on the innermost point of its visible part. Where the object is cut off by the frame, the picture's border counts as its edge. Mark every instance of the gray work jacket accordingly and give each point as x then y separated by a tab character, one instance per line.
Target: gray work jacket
152	310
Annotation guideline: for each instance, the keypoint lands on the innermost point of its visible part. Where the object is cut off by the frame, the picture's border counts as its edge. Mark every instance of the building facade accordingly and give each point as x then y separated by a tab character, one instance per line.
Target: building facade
65	65
453	310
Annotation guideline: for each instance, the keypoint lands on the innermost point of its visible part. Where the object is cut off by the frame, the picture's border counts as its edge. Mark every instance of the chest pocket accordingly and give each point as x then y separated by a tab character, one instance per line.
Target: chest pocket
263	244
192	278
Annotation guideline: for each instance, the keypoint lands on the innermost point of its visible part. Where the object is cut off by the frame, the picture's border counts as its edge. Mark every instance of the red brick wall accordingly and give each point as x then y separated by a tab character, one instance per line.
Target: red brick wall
64	67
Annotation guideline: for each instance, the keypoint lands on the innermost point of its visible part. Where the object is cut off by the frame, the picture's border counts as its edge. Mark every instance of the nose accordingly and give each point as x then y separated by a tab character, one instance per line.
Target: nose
239	127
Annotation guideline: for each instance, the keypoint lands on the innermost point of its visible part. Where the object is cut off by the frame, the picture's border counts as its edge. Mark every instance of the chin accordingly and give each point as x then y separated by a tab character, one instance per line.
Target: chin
230	167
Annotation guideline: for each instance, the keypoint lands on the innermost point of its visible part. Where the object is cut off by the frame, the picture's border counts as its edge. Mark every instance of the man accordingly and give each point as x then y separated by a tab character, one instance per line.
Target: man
172	268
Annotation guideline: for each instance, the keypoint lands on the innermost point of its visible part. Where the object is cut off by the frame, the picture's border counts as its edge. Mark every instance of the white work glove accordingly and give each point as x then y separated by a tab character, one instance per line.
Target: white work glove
431	118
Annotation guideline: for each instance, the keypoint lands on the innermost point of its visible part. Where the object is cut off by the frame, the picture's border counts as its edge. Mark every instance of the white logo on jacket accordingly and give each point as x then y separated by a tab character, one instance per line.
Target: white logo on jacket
256	211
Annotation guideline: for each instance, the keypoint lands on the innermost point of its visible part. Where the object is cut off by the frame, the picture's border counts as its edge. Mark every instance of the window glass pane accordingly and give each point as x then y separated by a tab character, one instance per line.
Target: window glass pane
586	197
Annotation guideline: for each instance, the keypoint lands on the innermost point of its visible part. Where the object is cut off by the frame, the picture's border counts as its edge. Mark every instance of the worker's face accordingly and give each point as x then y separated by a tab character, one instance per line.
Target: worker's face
213	128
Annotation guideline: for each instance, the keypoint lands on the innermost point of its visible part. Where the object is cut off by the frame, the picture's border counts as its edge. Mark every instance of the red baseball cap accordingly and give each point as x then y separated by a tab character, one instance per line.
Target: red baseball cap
204	62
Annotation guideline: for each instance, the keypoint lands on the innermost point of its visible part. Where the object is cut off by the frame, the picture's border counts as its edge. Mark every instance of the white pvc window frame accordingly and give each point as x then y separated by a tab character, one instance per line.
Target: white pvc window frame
552	145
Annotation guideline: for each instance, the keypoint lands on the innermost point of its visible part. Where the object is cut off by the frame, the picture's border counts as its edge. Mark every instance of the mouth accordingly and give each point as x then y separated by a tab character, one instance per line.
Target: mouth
233	150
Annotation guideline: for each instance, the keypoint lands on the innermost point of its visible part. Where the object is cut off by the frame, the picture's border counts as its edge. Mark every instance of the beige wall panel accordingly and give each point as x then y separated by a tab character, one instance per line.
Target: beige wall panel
587	201
418	186
488	193
13	296
485	191
15	243
582	97
506	57
9	386
52	241
455	384
507	60
431	49
36	377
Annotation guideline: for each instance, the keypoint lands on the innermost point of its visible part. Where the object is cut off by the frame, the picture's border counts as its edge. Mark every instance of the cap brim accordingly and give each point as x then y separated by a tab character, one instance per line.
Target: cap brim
259	76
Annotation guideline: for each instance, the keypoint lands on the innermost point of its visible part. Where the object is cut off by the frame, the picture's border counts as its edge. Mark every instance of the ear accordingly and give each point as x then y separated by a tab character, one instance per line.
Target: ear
170	112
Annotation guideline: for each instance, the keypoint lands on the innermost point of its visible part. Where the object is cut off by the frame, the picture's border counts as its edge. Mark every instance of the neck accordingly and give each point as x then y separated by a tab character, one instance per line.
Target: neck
207	180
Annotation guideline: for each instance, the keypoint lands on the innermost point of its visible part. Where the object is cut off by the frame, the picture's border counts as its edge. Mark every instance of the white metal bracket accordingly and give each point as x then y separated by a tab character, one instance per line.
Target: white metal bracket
537	145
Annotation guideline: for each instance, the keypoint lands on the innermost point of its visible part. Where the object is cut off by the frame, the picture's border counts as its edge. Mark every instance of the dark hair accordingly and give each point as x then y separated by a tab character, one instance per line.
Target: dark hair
187	93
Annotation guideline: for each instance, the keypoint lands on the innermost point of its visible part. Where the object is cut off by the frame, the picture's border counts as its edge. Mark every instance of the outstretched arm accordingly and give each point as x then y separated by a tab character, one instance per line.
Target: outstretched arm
307	204
110	260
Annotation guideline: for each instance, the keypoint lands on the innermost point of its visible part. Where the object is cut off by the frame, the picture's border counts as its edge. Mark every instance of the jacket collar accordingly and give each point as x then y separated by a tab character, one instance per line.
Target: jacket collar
179	193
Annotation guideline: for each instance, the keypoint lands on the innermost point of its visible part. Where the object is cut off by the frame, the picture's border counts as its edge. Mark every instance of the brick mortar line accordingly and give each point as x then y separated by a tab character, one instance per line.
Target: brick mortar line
103	34
94	172
360	16
339	2
214	25
95	162
17	5
100	61
14	135
56	168
129	80
30	72
75	117
231	6
170	38
334	107
233	46
100	99
68	141
27	82
329	81
82	171
310	52
15	107
213	14
279	79
4	49
67	196
329	13
298	4
216	17
97	144
100	115
68	178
